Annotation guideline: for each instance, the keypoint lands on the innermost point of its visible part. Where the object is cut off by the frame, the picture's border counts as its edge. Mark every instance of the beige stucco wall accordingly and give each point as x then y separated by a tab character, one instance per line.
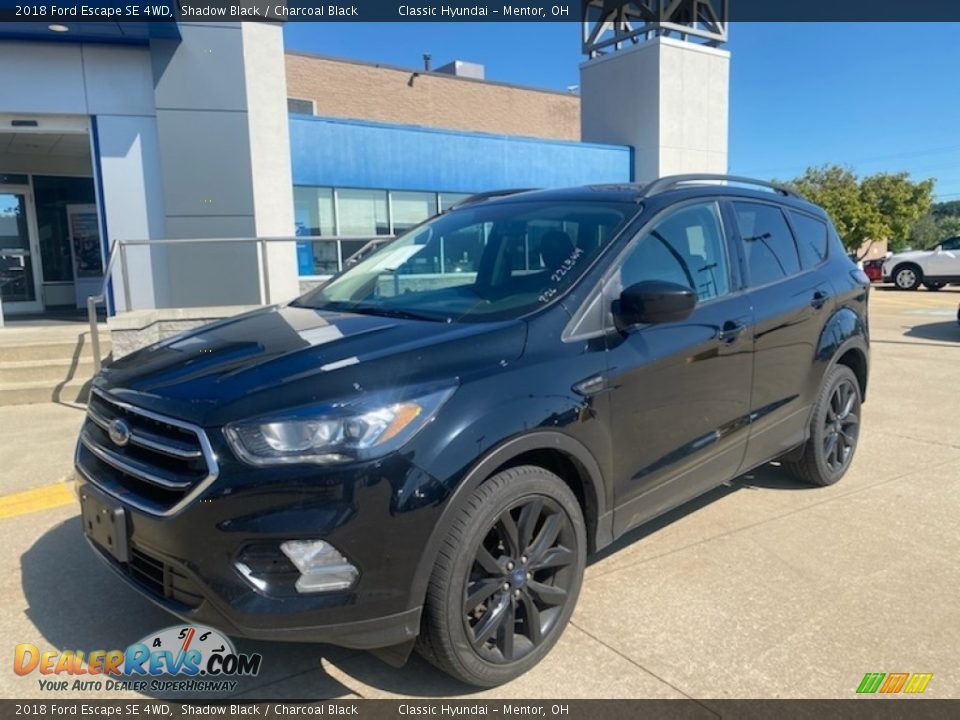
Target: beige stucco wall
349	89
666	98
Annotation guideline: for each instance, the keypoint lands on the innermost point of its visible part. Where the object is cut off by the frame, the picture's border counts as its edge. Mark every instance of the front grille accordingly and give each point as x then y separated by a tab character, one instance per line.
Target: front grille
162	463
162	579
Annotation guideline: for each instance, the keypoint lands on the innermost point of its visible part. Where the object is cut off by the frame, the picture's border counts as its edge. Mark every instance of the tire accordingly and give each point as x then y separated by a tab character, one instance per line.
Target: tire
907	277
486	576
834	431
933	286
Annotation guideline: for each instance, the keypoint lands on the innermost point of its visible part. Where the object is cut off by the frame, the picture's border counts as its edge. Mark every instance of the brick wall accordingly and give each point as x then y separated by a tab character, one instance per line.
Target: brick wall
342	88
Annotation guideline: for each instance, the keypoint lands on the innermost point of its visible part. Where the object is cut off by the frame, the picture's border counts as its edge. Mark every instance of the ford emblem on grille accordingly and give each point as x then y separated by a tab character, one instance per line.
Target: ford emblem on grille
119	433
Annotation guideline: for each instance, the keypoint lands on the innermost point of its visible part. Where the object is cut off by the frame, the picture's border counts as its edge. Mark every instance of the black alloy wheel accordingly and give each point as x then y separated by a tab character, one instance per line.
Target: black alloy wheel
841	426
506	579
834	431
520	580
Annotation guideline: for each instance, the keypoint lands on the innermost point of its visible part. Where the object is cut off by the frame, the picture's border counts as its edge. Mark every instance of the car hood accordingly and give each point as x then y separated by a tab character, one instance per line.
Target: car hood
282	357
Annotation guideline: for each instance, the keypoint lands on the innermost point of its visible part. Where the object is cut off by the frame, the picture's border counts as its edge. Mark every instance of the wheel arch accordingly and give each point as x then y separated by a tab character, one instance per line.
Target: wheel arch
844	341
855	358
559	453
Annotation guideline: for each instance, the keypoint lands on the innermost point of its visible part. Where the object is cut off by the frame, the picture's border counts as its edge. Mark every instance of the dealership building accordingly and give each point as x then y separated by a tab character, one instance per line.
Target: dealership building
113	134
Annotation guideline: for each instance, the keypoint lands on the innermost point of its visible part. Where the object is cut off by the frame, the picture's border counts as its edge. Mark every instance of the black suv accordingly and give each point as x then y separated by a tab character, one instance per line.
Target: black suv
424	450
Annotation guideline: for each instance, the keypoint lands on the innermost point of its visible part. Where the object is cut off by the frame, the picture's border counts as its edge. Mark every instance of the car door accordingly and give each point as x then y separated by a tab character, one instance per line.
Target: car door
944	261
678	392
790	302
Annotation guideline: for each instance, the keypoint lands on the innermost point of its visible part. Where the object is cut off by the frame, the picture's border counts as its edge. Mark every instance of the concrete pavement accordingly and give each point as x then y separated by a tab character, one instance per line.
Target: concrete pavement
36	444
762	589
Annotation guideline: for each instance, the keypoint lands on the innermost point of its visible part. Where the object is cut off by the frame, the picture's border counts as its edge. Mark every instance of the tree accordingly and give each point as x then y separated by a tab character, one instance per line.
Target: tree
877	207
933	228
925	232
949	227
951	208
900	202
940	223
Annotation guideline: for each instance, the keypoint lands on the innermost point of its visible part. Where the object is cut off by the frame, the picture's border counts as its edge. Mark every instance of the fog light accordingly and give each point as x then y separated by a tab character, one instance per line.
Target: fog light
322	567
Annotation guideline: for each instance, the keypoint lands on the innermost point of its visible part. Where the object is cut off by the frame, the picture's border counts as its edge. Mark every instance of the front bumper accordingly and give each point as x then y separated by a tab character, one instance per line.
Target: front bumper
186	562
360	634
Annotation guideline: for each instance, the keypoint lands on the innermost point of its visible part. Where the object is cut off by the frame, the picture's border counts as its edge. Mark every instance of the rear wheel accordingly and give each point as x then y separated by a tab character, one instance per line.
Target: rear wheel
834	431
507	578
907	277
933	286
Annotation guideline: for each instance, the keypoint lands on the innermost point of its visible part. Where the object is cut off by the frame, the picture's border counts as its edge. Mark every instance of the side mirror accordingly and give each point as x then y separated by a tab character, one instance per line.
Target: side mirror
938	249
653	301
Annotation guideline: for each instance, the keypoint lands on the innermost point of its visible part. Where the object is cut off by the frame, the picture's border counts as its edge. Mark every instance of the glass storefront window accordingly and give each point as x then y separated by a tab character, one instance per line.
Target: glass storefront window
449	199
16	269
313	211
362	212
52	195
313	215
411	208
349	247
322	211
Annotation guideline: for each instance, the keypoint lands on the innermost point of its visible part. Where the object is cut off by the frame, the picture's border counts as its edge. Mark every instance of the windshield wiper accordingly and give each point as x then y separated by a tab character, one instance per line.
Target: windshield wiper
390	312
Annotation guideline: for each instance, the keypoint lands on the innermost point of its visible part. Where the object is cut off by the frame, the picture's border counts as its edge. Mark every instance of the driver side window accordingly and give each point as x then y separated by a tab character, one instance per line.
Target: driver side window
951	244
687	248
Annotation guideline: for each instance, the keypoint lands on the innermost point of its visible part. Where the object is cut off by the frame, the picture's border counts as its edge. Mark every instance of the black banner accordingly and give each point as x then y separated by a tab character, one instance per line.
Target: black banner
65	11
859	709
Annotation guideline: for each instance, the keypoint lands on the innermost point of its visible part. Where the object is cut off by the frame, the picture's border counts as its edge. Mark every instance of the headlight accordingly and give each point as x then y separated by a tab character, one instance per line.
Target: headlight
336	433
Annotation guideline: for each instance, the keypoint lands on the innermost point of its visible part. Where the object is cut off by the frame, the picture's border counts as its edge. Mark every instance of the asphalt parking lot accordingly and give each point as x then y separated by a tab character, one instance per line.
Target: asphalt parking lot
762	589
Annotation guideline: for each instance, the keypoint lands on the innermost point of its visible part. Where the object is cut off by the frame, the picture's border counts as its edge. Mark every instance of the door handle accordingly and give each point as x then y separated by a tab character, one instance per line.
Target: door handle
819	300
731	330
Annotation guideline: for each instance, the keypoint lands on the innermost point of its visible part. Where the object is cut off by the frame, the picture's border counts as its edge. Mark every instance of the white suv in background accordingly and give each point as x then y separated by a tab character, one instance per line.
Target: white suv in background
931	268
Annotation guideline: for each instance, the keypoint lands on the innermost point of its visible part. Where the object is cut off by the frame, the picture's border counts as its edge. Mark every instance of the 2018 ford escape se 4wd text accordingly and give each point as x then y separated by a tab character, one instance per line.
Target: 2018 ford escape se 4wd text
424	450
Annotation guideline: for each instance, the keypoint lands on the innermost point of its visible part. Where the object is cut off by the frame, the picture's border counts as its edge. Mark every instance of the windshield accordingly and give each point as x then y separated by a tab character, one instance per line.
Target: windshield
491	261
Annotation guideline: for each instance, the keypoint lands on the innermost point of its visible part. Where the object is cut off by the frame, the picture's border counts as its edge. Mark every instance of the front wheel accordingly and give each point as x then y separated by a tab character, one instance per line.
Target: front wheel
933	286
507	578
834	430
907	277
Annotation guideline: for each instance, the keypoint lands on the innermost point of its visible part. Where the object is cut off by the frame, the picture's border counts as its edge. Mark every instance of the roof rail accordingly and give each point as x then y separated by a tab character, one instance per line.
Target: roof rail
671	181
489	195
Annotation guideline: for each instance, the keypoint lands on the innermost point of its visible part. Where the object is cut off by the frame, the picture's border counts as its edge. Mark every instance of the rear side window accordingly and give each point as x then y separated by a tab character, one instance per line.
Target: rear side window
768	243
811	238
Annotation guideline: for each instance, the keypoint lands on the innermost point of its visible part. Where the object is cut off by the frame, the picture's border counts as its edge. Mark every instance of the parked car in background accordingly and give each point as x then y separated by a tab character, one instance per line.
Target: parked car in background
874	269
932	268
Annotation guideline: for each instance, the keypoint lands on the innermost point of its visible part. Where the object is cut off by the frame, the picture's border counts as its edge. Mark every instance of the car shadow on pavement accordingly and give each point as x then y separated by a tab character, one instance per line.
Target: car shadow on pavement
947	331
771	476
77	603
418	678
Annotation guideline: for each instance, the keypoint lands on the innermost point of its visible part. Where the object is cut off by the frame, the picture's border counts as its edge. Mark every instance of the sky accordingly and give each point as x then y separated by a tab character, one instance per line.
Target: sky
879	97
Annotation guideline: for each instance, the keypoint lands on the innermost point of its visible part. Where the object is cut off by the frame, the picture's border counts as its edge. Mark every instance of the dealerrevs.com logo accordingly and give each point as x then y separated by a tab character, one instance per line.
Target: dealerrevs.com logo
201	658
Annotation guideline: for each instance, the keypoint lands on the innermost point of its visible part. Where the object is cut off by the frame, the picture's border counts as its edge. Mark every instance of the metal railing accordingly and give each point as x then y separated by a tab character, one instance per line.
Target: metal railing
118	249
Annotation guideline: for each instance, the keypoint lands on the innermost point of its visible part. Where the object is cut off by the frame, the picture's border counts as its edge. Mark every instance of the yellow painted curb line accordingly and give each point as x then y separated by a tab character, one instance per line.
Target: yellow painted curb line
42	498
